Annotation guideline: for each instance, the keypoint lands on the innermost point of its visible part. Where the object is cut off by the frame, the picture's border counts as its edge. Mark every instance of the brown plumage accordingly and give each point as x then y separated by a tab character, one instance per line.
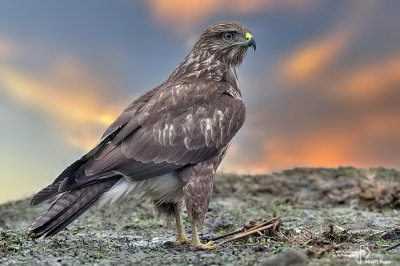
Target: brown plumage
166	145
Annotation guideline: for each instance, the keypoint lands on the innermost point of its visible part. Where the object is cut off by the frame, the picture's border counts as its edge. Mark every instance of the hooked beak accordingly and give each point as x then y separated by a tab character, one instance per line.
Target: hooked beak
251	43
250	40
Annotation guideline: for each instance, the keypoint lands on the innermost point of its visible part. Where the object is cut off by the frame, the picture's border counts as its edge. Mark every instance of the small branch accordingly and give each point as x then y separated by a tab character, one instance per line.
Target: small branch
226	235
264	223
393	247
247	233
245	230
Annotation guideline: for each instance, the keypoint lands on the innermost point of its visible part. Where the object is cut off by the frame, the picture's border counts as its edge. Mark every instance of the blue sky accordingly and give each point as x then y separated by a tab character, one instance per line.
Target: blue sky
322	89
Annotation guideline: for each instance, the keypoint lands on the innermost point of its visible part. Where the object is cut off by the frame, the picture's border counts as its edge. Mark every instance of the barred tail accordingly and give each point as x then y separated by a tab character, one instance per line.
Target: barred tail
69	206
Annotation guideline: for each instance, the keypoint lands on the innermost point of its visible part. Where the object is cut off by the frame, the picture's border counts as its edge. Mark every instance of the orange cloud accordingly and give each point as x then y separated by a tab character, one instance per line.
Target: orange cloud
184	14
313	58
69	95
328	149
325	148
368	82
318	149
368	136
313	61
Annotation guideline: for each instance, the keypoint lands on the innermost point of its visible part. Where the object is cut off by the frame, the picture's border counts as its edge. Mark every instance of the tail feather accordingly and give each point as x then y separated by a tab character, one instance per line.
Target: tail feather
71	171
52	189
68	207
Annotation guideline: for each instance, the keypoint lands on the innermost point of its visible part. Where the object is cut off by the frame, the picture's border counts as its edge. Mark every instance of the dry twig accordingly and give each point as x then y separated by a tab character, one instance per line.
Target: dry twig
273	223
393	247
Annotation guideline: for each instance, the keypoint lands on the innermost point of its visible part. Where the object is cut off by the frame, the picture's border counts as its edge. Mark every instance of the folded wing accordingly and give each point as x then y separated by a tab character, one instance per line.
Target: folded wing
170	128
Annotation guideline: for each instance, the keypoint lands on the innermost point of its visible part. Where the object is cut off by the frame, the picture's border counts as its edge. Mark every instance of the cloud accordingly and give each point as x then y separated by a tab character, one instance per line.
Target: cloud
349	120
329	101
183	12
368	140
7	47
183	15
68	94
320	148
313	58
369	82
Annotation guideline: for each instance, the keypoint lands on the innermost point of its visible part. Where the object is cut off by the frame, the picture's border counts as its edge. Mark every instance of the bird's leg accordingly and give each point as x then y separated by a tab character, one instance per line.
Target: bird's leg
181	239
195	244
197	194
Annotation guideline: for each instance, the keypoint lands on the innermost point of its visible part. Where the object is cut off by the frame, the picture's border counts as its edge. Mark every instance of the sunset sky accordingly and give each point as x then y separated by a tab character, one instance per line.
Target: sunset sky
322	89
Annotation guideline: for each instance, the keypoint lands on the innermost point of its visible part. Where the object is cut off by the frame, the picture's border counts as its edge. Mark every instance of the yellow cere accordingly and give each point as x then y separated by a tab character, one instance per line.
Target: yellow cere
248	36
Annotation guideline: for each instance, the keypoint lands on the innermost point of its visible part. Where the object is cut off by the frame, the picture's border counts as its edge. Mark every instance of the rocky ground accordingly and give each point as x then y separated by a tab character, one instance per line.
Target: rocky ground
327	217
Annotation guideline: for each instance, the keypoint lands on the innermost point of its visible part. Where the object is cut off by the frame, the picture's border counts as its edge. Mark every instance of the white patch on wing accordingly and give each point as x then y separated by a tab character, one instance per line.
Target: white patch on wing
233	93
172	96
188	126
218	119
172	134
188	142
195	73
208	124
206	129
159	135
160	189
178	89
200	111
165	135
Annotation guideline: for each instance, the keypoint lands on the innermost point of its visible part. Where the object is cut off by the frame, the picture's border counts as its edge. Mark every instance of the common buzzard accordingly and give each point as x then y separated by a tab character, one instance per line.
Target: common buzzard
166	145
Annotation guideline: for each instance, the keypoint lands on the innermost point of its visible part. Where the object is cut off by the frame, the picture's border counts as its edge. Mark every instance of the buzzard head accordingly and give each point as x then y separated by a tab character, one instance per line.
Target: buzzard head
226	41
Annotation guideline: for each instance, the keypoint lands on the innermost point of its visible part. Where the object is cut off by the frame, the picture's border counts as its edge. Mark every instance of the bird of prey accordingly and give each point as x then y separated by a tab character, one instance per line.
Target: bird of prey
166	145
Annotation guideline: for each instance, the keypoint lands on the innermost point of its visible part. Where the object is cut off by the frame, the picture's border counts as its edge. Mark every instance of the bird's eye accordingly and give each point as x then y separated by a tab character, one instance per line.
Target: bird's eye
228	36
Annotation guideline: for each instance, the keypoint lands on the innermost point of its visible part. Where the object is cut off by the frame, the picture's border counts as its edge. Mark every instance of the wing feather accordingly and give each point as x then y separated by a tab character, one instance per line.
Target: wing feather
176	127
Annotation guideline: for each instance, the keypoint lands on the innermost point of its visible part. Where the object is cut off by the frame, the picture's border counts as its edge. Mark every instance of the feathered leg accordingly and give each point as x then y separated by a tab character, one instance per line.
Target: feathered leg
197	193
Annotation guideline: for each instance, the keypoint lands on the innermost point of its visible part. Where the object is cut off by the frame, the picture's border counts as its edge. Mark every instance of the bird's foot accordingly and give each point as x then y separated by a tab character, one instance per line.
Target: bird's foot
181	240
199	246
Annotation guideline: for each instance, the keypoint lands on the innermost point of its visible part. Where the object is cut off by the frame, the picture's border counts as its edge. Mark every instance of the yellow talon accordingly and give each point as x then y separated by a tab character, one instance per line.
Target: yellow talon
181	240
199	246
